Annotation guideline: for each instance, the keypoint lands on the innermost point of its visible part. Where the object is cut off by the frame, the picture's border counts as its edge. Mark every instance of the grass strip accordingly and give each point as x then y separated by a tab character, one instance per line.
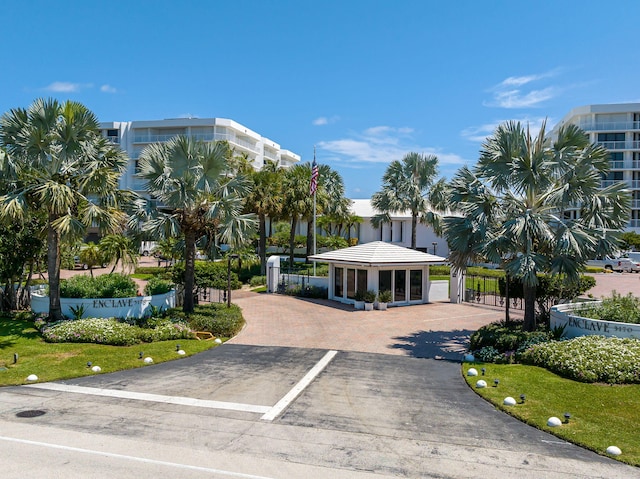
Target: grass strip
601	415
55	361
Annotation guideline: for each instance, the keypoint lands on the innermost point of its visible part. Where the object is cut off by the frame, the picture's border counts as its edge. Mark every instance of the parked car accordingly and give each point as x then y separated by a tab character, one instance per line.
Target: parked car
616	264
147	247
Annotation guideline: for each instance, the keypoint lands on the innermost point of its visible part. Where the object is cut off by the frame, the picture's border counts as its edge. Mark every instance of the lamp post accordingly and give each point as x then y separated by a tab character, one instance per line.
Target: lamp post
231	256
435	243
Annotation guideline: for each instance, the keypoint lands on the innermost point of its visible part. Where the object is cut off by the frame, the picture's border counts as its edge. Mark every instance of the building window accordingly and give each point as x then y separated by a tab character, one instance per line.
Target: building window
399	291
610	136
616	160
338	283
415	285
384	281
351	283
361	280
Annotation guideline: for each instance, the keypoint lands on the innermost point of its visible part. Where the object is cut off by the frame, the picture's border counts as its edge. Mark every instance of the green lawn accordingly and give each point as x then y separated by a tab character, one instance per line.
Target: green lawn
601	415
54	361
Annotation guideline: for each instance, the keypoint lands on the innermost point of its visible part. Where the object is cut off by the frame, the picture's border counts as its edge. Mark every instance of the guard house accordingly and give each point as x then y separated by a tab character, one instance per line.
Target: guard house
379	266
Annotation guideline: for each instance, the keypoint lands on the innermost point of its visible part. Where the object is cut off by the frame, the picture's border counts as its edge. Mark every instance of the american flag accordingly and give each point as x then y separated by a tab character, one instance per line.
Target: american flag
315	173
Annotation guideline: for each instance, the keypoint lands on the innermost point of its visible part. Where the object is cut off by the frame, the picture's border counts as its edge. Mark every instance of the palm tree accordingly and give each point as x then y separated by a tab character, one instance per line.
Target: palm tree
61	165
90	255
297	202
192	189
115	248
265	200
516	207
405	187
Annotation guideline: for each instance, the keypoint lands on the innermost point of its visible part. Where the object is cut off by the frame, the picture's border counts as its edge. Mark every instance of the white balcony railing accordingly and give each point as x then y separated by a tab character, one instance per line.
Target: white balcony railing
609	125
620	145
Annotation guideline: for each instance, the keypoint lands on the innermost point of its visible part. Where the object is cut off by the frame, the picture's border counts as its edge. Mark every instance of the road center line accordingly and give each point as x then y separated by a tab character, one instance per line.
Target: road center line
281	405
133	458
183	401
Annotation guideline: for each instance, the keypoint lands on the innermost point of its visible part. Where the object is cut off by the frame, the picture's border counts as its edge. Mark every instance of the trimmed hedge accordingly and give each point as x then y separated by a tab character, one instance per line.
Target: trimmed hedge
157	285
208	274
114	285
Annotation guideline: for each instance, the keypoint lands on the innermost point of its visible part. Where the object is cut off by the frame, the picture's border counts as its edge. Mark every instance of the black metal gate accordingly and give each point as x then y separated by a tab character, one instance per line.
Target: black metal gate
486	290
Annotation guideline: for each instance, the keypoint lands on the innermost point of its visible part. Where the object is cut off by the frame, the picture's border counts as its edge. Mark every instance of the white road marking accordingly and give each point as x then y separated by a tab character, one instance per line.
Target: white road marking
183	401
134	458
281	405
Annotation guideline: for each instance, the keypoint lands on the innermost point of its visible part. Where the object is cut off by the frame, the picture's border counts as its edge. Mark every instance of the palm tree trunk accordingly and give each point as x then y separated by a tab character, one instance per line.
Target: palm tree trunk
262	243
292	241
189	270
529	293
53	271
414	227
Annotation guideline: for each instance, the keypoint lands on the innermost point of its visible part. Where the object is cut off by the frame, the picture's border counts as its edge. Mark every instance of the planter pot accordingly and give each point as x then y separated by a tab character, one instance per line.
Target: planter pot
368	306
358	304
382	306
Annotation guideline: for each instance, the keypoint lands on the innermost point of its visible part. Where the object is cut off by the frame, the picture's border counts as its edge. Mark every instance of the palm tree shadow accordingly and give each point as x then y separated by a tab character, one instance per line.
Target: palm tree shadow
447	345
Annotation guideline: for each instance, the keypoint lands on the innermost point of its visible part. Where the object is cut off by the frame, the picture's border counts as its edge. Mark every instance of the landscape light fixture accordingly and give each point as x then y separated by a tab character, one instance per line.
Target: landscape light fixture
140	355
522	398
496	382
15	358
484	370
88	364
177	347
567	416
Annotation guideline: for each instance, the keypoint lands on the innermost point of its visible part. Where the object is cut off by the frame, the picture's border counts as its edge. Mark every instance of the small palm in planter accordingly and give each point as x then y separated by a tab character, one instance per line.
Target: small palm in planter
369	298
359	299
384	297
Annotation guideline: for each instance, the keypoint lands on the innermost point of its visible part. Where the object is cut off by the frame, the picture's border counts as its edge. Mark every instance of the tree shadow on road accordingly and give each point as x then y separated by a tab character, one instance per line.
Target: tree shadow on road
447	345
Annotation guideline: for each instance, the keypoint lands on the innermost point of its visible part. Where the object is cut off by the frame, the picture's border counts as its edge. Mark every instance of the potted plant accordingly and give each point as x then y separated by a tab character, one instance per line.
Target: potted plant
359	299
369	298
384	297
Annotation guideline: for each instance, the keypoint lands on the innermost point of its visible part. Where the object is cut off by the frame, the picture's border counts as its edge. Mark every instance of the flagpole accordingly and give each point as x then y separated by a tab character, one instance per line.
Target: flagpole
314	216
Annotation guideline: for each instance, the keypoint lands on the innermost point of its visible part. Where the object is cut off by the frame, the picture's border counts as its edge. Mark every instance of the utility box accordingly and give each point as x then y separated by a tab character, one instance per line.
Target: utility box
273	274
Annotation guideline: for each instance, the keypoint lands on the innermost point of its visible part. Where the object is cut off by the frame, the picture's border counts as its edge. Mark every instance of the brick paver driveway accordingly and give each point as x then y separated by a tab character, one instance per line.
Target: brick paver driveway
426	331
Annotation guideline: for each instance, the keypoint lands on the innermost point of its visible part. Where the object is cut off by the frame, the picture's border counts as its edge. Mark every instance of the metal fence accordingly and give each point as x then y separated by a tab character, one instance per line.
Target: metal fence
486	290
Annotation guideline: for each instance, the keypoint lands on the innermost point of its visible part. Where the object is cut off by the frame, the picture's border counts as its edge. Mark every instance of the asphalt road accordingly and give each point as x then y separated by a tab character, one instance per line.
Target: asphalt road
360	415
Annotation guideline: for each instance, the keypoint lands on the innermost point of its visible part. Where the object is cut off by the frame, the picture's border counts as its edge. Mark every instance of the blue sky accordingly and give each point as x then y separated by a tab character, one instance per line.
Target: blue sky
365	81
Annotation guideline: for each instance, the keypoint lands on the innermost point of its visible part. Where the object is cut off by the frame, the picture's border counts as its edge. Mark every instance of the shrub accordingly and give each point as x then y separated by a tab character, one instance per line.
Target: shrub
505	339
385	296
439	270
623	309
157	286
113	332
208	274
589	359
316	292
258	281
105	286
217	319
150	270
93	330
369	296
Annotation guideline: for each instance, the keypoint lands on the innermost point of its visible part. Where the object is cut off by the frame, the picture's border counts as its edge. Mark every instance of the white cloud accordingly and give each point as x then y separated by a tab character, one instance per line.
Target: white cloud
108	89
381	144
510	93
323	120
63	87
480	133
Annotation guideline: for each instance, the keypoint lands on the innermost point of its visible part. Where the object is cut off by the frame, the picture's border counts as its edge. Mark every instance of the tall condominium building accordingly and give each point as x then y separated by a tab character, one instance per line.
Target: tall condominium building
134	136
617	128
